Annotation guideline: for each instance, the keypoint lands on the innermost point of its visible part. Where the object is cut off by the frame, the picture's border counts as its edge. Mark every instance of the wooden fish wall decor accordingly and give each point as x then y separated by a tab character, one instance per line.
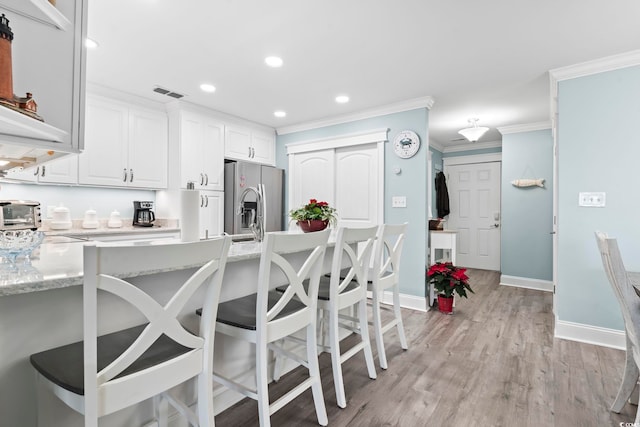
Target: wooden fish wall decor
528	182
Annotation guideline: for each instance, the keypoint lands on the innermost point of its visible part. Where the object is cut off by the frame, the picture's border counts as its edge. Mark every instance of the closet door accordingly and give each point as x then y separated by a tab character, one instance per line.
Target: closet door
357	185
312	177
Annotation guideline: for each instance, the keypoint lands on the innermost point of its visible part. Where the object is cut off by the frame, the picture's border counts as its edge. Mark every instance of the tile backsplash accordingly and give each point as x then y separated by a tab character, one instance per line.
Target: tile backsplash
78	199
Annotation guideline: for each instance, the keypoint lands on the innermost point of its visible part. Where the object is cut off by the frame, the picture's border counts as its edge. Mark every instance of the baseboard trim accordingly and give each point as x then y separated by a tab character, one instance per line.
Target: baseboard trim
588	334
525	282
406	301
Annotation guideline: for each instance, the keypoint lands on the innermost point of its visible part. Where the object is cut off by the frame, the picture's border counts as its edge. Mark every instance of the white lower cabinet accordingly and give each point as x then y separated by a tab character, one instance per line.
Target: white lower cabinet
211	213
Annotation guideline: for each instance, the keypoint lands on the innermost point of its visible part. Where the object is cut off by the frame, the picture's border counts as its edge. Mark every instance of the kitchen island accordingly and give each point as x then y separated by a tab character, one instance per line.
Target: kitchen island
41	308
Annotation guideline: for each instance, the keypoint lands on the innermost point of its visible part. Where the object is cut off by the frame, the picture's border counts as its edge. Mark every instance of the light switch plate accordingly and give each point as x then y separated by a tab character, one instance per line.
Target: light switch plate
399	202
592	200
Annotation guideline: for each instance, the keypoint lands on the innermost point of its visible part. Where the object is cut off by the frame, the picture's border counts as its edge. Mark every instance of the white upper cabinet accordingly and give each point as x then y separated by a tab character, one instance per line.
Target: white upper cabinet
243	143
200	147
125	146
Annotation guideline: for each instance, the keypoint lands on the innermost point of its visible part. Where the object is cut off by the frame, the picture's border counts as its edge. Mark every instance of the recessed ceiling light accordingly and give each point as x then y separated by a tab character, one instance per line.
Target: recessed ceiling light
273	61
91	44
4	162
206	87
280	113
342	99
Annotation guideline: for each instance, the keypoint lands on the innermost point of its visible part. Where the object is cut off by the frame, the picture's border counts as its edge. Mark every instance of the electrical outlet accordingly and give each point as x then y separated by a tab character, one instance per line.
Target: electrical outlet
592	200
398	202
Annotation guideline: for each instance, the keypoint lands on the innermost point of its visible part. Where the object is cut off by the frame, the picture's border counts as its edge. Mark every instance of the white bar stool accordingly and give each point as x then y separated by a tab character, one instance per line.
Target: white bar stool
101	375
386	275
269	316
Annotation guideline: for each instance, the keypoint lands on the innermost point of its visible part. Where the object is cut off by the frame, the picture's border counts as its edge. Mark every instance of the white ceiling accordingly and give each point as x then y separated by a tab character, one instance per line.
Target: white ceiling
486	59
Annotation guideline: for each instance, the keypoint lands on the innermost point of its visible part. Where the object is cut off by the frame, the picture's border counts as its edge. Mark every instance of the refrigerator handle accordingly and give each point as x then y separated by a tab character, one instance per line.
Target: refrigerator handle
264	205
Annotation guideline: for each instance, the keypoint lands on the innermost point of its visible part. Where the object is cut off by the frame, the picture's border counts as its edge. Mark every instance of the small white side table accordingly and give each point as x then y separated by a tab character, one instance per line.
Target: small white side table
444	240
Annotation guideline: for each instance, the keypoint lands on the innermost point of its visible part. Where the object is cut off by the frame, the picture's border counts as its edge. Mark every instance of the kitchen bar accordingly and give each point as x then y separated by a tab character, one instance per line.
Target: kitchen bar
42	309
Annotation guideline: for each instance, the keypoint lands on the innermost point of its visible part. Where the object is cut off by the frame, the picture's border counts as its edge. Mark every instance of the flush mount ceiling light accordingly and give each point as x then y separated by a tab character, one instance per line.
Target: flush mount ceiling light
473	132
273	61
206	87
91	44
342	99
280	114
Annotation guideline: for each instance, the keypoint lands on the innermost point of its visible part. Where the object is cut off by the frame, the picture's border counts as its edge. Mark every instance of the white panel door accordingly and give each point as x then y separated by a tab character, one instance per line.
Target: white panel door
474	199
357	186
312	177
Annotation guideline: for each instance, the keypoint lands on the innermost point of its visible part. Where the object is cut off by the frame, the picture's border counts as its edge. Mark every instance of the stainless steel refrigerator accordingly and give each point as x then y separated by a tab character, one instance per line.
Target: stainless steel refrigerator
268	181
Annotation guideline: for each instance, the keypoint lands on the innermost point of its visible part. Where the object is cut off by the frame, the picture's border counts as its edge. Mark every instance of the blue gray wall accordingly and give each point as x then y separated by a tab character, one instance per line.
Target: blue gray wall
598	151
412	183
527	212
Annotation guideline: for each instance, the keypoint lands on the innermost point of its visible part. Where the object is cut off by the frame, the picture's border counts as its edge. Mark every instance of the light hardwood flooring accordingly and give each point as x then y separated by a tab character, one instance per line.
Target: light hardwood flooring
494	362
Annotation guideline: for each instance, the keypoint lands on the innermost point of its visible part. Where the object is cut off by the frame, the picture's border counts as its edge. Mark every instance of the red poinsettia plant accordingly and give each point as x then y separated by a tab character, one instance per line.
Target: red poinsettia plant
447	279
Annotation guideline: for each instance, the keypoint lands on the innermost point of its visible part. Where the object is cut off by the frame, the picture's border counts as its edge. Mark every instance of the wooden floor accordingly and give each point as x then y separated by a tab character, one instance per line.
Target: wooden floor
494	362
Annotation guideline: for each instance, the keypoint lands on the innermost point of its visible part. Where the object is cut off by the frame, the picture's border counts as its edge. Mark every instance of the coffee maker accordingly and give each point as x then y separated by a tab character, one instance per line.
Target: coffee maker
143	215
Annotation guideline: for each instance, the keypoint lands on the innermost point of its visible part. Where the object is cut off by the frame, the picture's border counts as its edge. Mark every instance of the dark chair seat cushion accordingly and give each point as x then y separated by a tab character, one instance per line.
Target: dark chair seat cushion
64	365
325	286
241	312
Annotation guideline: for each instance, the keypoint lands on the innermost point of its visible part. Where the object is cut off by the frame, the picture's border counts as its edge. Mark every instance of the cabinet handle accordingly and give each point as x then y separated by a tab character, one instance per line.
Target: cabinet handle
125	175
131	175
207	200
43	170
206	175
37	171
201	178
253	153
249	152
201	201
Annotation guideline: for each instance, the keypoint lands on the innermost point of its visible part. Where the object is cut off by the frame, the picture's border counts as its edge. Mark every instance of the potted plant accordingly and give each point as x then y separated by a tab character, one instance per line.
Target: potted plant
314	216
448	279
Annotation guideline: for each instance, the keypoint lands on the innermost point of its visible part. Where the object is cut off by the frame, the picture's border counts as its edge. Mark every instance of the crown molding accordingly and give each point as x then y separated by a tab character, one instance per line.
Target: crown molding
436	145
472	146
174	107
608	63
410	104
529	127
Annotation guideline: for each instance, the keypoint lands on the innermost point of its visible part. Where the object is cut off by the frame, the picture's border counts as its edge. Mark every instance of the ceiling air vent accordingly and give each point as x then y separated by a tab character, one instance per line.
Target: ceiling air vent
167	92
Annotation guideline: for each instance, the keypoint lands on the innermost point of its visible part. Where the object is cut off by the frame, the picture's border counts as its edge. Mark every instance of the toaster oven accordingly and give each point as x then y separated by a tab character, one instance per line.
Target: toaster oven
20	215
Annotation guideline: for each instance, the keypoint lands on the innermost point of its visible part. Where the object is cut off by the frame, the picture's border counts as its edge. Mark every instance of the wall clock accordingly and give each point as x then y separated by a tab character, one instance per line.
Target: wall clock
406	144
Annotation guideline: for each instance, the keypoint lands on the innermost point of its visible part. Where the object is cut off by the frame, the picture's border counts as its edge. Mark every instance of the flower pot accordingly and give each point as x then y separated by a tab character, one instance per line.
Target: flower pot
445	304
313	225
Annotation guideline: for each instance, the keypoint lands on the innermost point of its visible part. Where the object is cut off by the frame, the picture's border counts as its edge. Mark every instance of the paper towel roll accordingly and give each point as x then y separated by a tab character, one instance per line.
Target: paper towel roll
189	215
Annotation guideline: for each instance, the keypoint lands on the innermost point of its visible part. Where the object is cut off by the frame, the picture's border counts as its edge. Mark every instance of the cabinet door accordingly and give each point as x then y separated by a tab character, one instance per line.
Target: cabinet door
148	145
191	150
104	159
237	143
60	171
211	213
305	182
213	155
264	148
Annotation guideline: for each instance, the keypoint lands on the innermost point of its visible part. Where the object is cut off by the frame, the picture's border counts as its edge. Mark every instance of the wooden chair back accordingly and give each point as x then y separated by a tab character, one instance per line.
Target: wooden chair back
386	262
274	265
109	268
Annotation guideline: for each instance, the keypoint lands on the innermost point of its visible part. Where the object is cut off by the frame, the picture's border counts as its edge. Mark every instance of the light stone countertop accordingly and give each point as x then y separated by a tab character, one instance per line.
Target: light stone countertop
57	263
76	230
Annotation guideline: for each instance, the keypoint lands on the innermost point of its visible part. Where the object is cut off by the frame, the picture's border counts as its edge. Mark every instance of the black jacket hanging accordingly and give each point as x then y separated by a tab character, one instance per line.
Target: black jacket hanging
442	195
